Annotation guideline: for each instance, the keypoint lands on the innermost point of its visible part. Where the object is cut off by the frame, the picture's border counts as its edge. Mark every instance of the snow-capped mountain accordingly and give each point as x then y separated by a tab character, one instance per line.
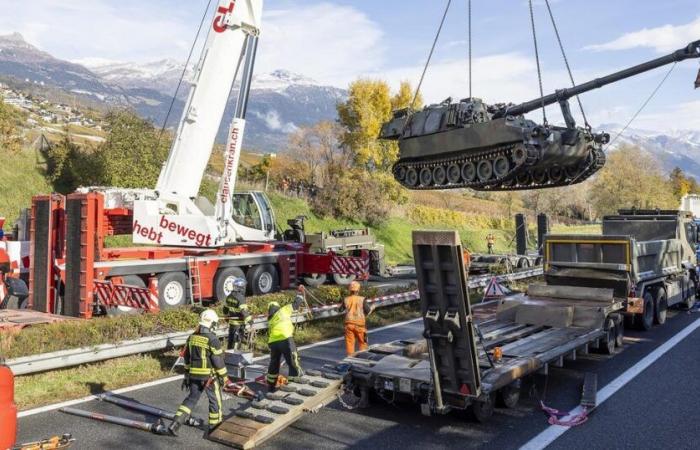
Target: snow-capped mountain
279	103
677	148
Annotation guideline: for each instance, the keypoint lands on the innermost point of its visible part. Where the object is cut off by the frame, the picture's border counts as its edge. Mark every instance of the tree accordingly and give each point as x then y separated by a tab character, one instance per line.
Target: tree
630	178
10	137
133	152
680	183
69	166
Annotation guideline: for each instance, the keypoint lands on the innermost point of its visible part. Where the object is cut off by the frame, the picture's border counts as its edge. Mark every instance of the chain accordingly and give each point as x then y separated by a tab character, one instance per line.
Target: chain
537	59
469	12
566	62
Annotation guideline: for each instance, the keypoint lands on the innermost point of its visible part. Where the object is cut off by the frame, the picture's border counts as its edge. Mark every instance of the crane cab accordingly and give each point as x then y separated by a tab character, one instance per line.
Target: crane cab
253	216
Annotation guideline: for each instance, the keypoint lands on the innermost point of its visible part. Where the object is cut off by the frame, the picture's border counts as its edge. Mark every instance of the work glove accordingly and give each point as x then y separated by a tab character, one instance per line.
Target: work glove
185	382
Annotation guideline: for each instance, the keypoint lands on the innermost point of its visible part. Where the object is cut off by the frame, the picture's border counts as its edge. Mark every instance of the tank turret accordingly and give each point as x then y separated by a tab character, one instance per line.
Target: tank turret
471	144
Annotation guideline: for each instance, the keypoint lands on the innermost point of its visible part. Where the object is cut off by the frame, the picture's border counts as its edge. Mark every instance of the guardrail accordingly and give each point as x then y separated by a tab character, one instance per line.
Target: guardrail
67	358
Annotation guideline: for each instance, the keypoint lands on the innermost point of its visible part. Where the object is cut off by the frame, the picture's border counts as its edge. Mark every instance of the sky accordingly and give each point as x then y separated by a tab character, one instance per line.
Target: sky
336	41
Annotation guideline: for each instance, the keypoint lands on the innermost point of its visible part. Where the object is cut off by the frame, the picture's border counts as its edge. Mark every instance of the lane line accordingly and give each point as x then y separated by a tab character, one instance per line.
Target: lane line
55	406
553	432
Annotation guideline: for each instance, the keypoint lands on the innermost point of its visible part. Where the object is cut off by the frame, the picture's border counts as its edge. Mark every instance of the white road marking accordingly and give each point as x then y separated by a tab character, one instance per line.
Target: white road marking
55	406
553	432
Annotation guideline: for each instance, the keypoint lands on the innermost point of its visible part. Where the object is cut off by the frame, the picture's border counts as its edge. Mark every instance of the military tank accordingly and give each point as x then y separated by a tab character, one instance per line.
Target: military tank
471	144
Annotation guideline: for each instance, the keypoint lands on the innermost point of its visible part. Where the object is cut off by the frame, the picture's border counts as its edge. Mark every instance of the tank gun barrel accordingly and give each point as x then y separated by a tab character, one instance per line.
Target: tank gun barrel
692	50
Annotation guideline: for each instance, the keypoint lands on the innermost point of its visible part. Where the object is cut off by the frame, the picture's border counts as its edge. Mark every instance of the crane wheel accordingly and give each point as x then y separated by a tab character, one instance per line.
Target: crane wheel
262	279
223	281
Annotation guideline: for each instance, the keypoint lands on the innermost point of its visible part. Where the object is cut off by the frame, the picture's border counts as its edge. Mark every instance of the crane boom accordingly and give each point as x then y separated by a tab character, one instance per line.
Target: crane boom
234	21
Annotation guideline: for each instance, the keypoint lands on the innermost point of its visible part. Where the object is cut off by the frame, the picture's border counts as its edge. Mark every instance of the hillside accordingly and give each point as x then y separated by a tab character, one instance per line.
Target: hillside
21	177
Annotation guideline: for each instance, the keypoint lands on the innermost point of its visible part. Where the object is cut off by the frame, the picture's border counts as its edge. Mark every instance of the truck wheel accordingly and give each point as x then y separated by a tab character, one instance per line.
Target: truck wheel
620	333
482	410
660	306
646	320
223	281
689	302
523	263
315	279
172	290
509	395
538	261
343	280
263	279
608	341
131	280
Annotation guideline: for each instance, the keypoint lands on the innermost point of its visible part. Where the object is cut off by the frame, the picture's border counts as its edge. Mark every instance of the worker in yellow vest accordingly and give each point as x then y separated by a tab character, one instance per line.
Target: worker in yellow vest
281	342
356	310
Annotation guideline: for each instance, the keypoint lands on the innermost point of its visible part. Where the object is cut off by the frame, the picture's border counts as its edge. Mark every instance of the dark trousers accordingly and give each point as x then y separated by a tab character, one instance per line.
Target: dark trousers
197	387
287	349
236	334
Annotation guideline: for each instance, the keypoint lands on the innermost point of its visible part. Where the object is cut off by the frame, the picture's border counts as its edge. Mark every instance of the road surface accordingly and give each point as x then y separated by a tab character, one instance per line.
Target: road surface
654	409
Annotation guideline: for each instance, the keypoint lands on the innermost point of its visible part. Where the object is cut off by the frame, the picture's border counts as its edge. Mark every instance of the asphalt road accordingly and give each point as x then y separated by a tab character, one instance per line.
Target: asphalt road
656	409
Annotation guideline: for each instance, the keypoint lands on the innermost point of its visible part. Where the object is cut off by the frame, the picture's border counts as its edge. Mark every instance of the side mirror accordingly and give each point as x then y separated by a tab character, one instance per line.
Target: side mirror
269	228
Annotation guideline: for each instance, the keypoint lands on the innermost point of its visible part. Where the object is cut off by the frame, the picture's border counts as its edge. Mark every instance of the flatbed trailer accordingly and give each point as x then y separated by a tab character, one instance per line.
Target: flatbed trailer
466	362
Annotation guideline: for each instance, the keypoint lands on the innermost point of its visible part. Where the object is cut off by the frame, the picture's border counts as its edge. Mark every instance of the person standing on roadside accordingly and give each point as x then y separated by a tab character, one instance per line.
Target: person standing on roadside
356	311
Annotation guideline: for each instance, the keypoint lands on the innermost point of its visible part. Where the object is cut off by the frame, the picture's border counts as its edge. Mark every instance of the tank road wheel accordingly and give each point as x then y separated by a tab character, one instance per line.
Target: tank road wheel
400	173
223	281
453	174
426	177
411	177
571	172
469	171
484	170
523	263
646	320
501	166
130	280
172	290
523	179
508	396
315	279
519	155
482	409
660	306
556	174
439	175
262	279
539	176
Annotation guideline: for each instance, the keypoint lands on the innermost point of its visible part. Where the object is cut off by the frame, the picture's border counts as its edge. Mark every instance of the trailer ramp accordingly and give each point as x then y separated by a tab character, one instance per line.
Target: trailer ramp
447	316
258	421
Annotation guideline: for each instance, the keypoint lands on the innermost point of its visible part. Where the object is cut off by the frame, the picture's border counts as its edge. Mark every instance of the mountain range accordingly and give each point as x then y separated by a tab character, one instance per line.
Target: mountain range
280	101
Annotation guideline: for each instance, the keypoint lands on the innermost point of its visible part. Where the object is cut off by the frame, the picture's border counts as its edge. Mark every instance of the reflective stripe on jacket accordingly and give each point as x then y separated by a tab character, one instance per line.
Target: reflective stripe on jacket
236	311
355	310
280	325
204	355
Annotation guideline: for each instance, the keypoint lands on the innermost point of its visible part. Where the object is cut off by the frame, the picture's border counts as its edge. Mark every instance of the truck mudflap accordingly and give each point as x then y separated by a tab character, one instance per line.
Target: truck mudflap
447	316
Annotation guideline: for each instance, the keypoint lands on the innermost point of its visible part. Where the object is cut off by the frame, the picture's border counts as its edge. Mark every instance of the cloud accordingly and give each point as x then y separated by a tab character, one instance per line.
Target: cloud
662	39
274	122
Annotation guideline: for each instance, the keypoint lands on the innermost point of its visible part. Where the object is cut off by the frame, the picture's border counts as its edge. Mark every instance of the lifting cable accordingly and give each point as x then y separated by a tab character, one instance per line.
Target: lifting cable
537	59
566	62
184	71
469	13
430	56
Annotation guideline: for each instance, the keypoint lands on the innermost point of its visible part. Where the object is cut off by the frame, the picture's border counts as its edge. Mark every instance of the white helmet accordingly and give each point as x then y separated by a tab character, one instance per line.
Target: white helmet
209	319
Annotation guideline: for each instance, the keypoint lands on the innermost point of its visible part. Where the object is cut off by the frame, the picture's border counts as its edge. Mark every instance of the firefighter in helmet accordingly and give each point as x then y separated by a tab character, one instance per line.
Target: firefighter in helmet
281	342
205	372
237	313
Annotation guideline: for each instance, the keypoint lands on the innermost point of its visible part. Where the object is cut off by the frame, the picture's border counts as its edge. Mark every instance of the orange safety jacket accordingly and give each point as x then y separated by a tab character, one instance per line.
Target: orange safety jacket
356	310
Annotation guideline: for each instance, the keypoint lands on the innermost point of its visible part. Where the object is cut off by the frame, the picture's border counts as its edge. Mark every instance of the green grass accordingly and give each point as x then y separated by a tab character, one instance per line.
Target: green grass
577	229
21	177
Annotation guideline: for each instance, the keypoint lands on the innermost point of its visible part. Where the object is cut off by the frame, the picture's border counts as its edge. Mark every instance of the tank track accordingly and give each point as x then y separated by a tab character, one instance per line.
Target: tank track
585	172
526	156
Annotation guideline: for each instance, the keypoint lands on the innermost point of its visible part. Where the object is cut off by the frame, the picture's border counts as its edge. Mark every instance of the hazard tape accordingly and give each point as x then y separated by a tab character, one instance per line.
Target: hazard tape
350	265
112	295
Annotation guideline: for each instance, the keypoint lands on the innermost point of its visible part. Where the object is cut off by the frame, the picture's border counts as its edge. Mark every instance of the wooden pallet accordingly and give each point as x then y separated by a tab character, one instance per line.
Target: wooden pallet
257	422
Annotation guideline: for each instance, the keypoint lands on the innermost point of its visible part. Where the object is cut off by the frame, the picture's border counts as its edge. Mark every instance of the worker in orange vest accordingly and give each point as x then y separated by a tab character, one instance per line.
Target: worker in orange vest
356	310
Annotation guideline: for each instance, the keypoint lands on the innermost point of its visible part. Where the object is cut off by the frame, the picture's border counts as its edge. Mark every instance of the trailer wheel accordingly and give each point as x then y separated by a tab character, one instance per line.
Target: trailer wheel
172	290
482	410
343	280
315	279
646	320
223	281
660	306
508	396
131	280
608	341
262	279
523	263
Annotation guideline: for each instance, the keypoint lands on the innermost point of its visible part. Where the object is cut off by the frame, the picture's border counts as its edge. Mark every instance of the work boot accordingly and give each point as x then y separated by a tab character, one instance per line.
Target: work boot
177	423
271	387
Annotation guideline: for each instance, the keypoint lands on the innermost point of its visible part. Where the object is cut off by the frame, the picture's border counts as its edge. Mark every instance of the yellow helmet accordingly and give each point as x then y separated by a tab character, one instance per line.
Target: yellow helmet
354	287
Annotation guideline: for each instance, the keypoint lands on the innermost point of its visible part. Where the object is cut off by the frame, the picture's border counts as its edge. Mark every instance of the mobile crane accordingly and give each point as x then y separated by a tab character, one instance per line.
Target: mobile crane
194	249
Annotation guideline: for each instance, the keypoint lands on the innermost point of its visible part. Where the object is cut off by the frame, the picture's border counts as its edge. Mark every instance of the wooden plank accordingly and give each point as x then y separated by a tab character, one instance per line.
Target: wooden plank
251	433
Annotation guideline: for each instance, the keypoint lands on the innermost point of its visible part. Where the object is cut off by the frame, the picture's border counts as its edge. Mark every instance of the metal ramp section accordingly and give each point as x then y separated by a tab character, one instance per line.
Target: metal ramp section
447	316
261	420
